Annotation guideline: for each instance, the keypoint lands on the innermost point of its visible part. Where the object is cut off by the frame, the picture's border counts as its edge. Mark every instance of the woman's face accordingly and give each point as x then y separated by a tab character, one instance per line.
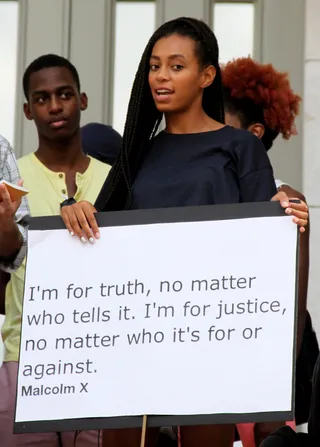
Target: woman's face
175	77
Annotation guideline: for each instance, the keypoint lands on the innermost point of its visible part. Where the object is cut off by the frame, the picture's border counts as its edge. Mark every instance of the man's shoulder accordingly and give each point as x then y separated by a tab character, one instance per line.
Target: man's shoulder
5	145
99	167
24	161
6	152
8	163
29	169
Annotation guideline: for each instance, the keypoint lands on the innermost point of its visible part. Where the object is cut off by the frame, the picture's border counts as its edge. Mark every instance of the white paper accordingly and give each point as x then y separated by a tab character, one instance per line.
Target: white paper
190	376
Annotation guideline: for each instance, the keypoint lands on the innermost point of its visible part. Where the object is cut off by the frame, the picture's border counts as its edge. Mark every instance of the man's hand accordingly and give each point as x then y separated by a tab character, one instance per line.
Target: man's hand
8	208
10	236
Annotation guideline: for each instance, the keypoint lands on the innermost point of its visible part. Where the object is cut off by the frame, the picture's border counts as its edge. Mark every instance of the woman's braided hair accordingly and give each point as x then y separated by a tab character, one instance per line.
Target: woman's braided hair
143	118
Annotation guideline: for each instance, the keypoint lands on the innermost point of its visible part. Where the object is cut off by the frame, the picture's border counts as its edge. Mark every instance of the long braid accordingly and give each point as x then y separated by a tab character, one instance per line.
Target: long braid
139	128
143	118
213	95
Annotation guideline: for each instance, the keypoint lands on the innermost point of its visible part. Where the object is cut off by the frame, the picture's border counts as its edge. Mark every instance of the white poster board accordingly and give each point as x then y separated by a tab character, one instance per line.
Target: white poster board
175	312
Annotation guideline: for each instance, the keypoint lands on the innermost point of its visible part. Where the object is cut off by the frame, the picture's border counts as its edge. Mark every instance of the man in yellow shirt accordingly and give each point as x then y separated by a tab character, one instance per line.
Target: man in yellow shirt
57	173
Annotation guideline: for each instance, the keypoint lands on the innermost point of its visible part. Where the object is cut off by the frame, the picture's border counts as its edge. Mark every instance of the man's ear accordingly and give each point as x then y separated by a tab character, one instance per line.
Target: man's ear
27	111
208	75
83	101
257	129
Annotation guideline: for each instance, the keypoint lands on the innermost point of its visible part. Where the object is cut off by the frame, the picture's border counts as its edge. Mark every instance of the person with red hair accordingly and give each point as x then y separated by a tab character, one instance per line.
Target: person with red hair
260	99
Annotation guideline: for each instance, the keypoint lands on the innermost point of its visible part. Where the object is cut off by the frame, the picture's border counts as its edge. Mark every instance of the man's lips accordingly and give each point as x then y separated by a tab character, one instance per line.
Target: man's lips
59	122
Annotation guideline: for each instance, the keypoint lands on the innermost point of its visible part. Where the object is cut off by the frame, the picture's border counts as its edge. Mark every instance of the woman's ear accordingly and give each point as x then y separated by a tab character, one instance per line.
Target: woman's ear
208	75
257	129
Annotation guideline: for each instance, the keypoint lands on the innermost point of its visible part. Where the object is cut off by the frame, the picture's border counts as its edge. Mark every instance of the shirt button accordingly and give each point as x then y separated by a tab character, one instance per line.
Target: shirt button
64	191
60	175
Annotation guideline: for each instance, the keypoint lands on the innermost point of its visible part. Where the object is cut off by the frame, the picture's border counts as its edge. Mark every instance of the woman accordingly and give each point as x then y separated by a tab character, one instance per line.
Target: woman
260	99
197	160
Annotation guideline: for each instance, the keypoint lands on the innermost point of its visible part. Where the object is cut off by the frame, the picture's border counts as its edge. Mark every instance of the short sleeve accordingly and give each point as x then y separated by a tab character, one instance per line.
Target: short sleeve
255	172
280	183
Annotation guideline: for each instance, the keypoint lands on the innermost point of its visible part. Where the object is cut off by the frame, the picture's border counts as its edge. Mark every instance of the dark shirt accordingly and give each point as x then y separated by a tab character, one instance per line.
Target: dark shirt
101	141
286	437
218	167
314	418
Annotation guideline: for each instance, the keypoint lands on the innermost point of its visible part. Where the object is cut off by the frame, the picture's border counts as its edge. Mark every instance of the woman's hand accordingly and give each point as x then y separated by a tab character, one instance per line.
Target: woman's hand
299	211
80	220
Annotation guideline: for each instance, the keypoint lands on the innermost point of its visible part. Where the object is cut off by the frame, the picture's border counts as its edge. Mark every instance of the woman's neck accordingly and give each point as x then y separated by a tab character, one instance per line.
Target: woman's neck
190	121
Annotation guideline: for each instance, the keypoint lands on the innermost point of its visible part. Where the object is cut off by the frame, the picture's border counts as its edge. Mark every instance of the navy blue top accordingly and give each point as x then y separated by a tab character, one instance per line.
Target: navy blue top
218	167
101	141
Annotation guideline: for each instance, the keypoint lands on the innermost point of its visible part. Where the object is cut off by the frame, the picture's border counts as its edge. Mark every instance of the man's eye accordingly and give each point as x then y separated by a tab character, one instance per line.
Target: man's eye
66	95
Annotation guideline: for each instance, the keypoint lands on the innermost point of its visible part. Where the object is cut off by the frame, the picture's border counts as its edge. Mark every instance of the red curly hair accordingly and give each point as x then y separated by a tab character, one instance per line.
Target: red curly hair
267	88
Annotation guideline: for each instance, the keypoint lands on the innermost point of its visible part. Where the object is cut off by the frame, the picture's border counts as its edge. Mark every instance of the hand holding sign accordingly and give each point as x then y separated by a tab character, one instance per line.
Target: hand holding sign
80	220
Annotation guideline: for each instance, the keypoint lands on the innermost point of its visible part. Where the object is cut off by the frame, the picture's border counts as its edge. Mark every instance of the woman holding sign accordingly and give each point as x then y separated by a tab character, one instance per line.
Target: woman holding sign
195	161
260	99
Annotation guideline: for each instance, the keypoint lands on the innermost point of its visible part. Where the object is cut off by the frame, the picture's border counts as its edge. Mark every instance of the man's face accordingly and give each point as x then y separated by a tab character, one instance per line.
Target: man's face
54	103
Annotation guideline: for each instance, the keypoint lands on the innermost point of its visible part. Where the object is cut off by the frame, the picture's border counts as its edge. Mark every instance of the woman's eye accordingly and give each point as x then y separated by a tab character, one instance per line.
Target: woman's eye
154	67
177	67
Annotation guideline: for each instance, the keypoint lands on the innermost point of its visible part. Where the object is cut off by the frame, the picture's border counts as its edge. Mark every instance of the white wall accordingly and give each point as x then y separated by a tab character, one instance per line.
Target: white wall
311	150
8	52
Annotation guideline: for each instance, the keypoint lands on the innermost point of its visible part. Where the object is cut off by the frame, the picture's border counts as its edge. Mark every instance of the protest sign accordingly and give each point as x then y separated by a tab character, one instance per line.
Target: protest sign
187	315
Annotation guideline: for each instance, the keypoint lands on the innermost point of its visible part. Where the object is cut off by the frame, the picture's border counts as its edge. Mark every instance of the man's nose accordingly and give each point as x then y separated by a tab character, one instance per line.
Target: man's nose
55	105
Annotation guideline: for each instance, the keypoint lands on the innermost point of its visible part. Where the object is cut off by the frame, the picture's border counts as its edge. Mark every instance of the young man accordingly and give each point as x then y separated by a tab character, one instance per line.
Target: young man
56	174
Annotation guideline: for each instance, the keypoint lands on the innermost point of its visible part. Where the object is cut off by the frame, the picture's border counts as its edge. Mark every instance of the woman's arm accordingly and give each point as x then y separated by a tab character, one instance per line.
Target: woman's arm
256	181
303	268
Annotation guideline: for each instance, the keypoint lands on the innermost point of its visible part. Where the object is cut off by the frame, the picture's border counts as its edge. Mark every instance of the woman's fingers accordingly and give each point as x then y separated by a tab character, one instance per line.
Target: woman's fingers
297	208
69	215
299	211
300	214
89	212
282	198
66	220
80	220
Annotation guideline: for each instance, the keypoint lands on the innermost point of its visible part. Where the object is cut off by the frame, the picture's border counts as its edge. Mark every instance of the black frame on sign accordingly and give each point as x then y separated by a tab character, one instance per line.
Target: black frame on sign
154	216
